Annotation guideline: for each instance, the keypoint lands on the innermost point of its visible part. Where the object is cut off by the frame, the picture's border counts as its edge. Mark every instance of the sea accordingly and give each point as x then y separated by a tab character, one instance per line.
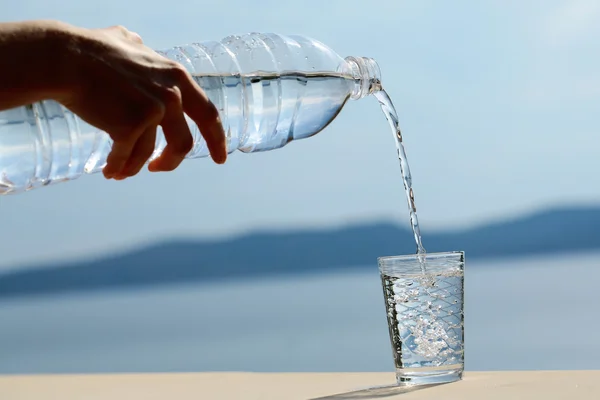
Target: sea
520	314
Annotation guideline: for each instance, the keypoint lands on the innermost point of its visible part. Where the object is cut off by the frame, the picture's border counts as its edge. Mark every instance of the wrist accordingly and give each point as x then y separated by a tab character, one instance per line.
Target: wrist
57	50
35	60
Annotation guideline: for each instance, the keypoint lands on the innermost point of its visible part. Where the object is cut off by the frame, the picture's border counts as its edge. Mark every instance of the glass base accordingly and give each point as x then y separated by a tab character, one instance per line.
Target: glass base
428	375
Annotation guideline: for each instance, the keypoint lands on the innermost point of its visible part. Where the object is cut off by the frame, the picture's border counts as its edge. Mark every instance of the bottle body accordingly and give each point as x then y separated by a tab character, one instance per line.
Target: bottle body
269	89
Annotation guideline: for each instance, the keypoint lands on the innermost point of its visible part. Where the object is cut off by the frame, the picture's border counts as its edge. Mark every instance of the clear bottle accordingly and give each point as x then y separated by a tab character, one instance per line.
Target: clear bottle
270	89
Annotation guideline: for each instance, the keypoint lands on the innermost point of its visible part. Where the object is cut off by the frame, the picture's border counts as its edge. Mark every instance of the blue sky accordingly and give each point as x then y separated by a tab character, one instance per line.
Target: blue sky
498	102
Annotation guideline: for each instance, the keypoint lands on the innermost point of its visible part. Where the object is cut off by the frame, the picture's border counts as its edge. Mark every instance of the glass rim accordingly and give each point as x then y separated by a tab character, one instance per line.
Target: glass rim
409	257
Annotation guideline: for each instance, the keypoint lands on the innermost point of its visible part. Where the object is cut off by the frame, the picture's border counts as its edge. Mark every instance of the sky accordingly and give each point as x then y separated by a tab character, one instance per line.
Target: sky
498	102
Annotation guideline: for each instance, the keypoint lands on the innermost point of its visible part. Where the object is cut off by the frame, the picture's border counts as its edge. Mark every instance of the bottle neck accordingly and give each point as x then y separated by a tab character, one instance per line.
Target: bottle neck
366	74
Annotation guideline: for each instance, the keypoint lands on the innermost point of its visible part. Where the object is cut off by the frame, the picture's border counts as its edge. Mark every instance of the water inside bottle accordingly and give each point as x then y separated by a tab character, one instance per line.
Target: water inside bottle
266	110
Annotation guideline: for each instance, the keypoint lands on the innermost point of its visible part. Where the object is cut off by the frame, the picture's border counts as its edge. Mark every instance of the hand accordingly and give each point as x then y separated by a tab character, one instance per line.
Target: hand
127	90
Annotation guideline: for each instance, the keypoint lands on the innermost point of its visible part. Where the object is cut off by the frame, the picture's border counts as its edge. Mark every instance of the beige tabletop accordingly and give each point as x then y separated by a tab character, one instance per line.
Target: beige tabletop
531	385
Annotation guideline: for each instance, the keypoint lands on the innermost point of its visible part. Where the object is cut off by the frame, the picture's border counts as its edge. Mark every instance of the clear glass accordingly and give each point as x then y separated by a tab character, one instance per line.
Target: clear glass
425	315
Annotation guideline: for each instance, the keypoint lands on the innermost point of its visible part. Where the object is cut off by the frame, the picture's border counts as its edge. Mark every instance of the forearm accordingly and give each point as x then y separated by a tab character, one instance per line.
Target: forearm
32	61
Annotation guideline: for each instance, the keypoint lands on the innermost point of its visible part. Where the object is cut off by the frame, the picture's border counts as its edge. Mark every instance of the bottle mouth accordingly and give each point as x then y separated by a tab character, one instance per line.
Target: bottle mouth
366	74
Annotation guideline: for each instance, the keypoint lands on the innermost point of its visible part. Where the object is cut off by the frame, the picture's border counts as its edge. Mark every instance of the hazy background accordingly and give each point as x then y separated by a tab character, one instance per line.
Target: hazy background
499	107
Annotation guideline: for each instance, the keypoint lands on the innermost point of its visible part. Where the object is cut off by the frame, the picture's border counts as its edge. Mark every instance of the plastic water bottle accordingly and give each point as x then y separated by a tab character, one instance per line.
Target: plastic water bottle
269	89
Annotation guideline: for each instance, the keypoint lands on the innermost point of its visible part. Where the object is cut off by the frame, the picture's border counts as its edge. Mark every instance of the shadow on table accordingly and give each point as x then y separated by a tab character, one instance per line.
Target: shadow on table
376	392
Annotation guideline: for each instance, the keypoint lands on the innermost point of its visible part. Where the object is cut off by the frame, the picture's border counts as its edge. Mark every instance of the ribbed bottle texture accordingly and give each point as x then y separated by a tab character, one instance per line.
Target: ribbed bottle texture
269	89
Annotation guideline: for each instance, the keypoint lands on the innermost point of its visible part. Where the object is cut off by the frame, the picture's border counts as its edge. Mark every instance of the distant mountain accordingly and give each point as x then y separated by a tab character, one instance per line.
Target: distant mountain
266	254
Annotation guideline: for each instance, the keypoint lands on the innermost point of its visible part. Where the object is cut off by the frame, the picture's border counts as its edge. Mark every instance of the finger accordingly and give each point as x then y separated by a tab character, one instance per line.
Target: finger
147	112
204	113
141	152
178	136
118	156
122	148
179	143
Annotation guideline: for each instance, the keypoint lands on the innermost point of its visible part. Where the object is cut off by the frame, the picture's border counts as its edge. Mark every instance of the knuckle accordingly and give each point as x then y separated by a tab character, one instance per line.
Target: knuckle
150	110
177	72
183	145
121	29
136	37
211	114
142	155
143	151
172	97
138	119
121	138
146	153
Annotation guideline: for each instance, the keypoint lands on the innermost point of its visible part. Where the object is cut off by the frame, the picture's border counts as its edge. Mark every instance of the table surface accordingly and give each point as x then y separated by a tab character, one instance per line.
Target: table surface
530	385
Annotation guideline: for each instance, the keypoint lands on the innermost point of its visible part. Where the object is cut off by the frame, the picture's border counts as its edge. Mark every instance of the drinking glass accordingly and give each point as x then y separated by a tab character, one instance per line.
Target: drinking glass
424	303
